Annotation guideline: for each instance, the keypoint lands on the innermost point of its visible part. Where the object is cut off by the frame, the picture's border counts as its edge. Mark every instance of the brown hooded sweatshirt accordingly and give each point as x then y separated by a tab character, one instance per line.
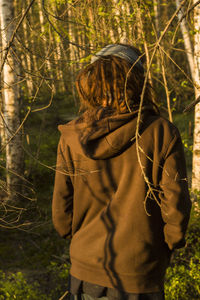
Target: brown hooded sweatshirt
122	229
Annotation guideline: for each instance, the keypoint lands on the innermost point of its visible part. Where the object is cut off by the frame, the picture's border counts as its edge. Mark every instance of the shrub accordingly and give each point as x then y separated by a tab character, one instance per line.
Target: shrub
183	276
15	286
59	275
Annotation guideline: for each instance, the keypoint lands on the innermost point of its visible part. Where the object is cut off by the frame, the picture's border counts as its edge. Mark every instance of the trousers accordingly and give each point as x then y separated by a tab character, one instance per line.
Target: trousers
146	296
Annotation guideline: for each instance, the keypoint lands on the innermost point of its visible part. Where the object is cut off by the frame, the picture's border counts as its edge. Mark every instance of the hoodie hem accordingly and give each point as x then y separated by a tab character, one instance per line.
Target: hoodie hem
133	283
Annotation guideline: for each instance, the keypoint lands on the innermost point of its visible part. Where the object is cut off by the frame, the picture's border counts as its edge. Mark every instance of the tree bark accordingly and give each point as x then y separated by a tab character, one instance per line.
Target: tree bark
196	144
142	35
47	47
119	12
72	52
1	98
187	41
11	109
26	59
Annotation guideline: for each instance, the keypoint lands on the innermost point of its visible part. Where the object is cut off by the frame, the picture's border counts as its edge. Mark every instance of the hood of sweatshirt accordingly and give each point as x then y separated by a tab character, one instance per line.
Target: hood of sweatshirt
104	137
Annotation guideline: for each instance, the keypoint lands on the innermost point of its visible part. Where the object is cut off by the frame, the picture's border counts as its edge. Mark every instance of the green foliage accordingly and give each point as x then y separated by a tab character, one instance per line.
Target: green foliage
102	13
60	2
184	83
60	273
184	122
15	286
41	140
183	276
183	281
39	254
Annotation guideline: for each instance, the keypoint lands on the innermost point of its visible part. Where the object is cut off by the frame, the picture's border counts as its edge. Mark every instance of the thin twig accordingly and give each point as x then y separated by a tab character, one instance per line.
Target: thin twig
166	87
14	34
191	105
182	17
188	11
63	296
16	132
157	44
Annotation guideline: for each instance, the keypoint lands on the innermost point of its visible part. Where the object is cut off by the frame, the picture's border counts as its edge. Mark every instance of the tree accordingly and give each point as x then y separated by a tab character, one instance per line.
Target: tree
194	65
196	143
11	107
186	39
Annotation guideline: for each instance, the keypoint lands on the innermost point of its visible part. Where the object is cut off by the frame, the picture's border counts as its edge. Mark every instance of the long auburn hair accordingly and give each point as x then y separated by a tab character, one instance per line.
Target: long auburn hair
113	83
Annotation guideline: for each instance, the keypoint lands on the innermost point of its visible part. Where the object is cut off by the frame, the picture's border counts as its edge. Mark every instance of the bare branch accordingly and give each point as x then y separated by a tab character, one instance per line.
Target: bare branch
14	34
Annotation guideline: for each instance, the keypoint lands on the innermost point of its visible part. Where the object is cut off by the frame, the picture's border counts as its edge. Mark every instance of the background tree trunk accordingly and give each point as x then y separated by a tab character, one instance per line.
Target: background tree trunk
11	108
196	144
26	59
72	51
187	40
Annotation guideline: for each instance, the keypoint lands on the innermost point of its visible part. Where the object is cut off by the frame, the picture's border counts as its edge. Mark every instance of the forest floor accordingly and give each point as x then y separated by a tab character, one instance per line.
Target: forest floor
32	251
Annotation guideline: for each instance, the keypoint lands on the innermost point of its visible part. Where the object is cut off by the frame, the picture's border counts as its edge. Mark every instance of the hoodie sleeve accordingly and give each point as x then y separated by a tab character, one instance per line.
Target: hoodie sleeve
175	200
62	204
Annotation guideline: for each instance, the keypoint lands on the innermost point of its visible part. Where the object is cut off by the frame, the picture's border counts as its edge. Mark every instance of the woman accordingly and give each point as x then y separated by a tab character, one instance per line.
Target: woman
121	191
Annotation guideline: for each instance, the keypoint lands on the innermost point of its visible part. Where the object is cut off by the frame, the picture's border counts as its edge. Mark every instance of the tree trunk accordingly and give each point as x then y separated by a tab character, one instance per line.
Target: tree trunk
142	35
156	9
196	144
11	103
1	98
26	59
119	12
187	41
46	47
72	52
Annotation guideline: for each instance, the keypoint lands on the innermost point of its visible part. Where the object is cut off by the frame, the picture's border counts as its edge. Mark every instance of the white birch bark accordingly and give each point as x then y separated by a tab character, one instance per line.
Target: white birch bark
196	143
11	102
35	62
142	37
46	46
72	52
187	41
26	59
60	69
156	13
1	97
119	12
156	7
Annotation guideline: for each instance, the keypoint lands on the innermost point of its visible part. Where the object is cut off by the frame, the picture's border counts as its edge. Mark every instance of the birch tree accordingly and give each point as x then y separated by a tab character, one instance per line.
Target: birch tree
196	143
186	40
72	50
119	12
194	65
26	59
11	101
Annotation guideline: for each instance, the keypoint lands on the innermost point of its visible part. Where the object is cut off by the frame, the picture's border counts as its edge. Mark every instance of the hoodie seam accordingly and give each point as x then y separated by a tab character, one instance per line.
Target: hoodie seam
109	129
115	148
